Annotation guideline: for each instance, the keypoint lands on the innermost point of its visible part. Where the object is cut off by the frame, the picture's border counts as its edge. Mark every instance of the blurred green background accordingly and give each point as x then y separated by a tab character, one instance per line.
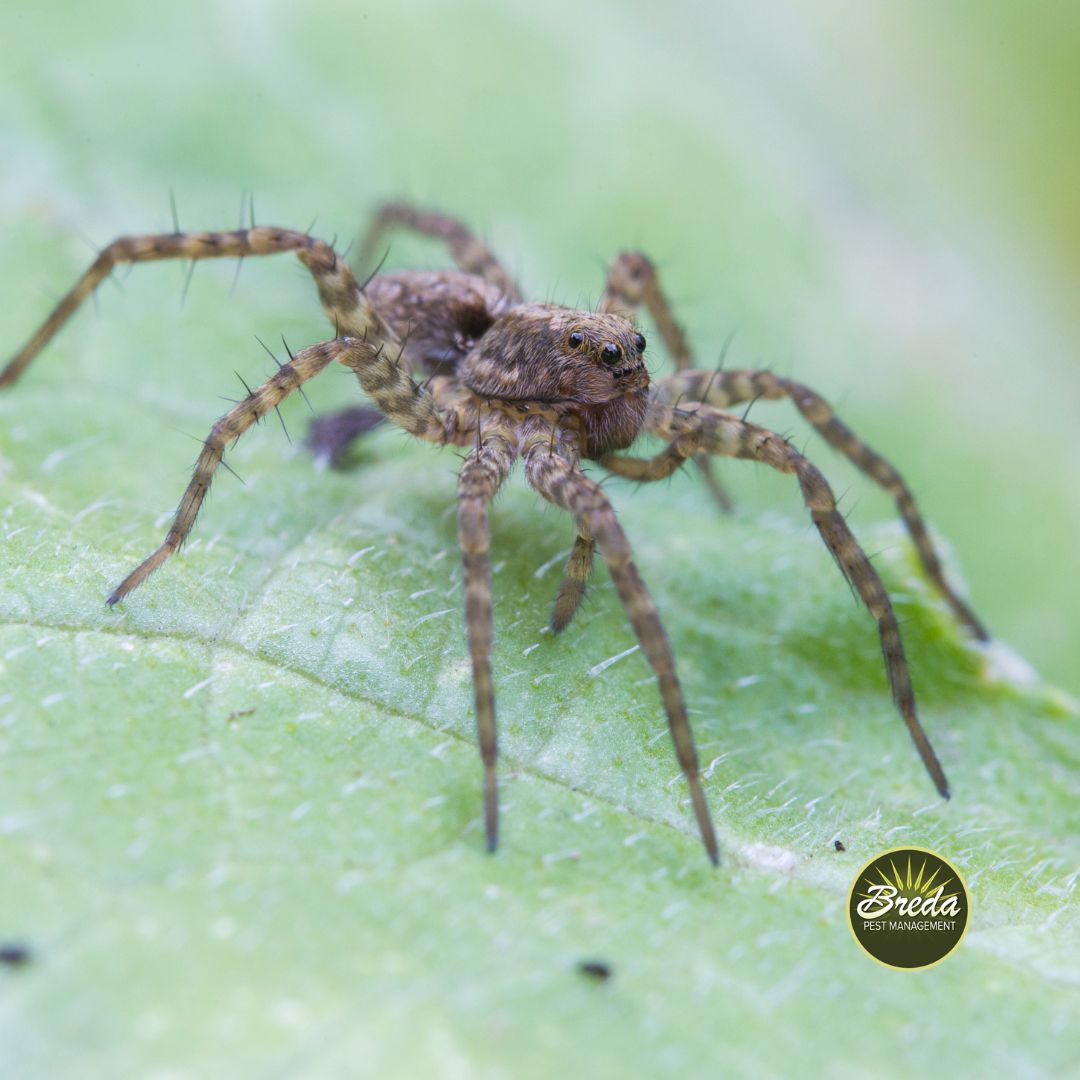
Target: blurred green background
882	201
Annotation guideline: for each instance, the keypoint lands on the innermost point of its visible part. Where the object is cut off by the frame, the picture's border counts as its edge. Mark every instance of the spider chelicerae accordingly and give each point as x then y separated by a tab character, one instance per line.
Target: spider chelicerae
507	379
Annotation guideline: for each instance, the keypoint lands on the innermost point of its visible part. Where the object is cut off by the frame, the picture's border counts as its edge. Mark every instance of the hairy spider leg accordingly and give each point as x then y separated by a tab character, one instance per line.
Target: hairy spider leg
345	304
387	379
697	428
726	388
482	474
381	374
305	365
565	485
632	282
575	578
468	251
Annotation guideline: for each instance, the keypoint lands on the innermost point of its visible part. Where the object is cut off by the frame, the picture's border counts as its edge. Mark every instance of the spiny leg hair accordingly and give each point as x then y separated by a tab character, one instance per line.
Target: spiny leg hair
695	429
304	365
726	388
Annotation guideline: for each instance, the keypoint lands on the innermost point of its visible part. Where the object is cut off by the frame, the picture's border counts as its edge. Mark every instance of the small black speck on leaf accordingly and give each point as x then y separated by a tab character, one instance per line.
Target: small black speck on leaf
839	845
599	970
14	955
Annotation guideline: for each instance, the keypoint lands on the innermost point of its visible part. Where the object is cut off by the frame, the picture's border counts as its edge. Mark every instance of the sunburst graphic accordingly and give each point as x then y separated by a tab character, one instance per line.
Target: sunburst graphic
908	885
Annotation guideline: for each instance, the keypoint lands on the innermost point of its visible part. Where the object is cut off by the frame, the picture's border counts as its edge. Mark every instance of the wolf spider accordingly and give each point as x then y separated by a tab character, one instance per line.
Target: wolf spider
554	386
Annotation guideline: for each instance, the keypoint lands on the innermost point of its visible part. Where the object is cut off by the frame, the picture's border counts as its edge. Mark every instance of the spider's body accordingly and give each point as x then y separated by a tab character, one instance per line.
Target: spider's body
517	356
549	385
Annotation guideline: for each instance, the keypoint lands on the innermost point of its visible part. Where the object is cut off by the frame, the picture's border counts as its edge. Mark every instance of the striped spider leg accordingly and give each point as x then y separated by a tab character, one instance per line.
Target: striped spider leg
696	429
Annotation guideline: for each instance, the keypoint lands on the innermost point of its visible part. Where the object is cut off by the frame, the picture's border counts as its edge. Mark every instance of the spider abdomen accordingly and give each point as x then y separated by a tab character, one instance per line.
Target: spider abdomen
438	315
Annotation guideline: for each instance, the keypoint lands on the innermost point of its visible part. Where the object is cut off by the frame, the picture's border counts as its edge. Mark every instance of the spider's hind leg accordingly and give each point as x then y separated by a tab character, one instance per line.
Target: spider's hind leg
466	248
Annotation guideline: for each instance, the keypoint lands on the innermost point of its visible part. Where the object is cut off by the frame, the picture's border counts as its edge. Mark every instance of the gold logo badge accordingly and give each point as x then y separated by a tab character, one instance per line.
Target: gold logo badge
908	908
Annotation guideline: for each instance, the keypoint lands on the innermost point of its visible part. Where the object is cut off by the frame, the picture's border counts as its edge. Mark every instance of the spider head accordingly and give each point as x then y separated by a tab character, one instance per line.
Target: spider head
590	363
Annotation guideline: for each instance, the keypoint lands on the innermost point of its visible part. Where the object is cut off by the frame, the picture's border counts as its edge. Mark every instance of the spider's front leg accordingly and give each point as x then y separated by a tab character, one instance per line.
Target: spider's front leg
575	578
481	476
566	486
341	296
701	428
632	283
381	373
306	364
723	389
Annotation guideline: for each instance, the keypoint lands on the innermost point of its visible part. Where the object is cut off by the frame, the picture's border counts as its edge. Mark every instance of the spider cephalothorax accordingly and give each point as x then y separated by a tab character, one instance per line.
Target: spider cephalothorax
547	384
588	368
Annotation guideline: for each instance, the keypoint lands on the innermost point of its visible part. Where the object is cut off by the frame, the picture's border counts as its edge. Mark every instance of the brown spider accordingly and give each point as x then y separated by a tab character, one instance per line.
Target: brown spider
548	384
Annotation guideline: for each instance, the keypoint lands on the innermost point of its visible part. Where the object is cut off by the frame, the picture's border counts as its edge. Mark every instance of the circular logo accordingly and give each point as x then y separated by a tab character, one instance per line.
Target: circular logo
908	908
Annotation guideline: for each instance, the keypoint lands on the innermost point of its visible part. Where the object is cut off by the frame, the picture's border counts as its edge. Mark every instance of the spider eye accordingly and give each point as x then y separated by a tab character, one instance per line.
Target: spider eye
611	353
576	339
639	342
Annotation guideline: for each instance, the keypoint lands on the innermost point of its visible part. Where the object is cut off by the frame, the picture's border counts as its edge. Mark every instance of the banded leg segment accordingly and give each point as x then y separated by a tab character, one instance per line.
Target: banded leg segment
387	379
726	388
566	486
303	366
632	282
341	297
481	476
702	428
468	251
575	578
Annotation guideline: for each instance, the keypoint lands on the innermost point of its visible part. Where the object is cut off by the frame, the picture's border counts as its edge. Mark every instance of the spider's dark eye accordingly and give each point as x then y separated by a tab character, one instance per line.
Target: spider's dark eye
611	353
576	339
639	342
